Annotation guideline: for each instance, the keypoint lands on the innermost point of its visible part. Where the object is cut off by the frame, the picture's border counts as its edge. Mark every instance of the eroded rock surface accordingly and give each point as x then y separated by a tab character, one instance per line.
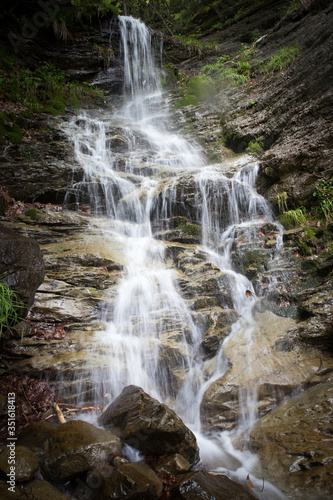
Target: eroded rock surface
21	263
294	443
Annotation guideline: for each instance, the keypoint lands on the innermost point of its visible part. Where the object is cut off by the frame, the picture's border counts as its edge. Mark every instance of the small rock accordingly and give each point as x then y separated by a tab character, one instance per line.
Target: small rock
26	464
176	464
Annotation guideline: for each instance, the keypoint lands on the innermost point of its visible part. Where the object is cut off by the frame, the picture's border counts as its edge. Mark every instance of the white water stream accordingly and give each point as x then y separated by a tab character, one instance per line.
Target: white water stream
135	187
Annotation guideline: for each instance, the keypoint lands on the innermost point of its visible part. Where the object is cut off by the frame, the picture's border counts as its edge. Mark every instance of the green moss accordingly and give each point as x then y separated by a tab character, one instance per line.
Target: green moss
253	258
179	220
205	302
32	213
190	229
8	131
186	101
304	249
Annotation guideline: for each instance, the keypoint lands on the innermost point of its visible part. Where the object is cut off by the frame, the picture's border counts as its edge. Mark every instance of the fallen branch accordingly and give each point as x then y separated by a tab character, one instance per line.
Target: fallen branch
59	413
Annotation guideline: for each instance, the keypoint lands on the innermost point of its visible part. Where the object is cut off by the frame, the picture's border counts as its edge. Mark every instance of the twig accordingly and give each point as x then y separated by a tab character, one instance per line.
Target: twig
59	413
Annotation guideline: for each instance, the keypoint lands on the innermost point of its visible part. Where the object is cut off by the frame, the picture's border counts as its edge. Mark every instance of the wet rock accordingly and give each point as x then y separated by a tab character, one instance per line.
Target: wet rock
219	322
42	170
203	484
67	450
294	444
173	465
148	425
26	464
268	370
203	278
21	263
134	480
38	490
317	308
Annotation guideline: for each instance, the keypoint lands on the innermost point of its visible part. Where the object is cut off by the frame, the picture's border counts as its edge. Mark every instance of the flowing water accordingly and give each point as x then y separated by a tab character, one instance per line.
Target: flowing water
135	175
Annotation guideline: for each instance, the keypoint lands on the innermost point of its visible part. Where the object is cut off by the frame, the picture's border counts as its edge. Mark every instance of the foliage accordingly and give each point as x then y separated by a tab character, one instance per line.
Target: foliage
106	53
194	90
44	89
324	193
9	131
280	60
282	202
10	305
255	147
32	213
293	218
190	229
89	8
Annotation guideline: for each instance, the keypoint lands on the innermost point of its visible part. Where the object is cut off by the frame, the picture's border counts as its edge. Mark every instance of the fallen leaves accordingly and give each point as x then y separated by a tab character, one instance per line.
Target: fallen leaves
249	482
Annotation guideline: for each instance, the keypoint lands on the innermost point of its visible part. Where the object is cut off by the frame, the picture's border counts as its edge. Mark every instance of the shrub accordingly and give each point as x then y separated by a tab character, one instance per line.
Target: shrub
255	147
10	307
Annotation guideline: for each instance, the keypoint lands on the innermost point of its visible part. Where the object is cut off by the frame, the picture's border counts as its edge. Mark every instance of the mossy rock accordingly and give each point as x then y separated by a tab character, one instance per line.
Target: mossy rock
191	229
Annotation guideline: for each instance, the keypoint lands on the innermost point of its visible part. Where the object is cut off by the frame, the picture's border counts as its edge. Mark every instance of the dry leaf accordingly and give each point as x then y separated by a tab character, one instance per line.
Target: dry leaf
250	482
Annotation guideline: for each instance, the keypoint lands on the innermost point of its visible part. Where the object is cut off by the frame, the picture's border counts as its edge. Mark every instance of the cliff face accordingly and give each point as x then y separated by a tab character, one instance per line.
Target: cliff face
290	112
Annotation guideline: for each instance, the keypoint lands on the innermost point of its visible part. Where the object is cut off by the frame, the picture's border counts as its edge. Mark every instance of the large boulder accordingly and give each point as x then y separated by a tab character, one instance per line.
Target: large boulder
148	425
21	263
294	444
67	450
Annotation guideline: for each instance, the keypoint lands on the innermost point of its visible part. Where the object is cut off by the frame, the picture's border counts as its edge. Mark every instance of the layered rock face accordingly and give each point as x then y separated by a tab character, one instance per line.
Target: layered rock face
287	352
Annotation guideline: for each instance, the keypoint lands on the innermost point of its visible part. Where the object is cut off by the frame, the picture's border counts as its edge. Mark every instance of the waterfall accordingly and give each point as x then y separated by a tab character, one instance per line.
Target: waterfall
135	173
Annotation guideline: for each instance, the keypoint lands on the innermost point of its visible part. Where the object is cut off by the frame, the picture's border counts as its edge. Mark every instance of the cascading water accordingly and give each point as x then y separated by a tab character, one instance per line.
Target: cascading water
150	318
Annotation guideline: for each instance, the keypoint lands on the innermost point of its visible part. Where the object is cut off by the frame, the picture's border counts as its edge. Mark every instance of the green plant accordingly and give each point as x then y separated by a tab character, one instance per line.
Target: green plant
255	35
255	147
293	218
32	213
196	89
281	60
43	90
10	306
324	193
190	229
282	202
106	53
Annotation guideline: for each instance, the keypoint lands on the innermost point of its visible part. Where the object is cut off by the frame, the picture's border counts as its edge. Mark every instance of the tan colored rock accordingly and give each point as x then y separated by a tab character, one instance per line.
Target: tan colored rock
263	361
294	444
